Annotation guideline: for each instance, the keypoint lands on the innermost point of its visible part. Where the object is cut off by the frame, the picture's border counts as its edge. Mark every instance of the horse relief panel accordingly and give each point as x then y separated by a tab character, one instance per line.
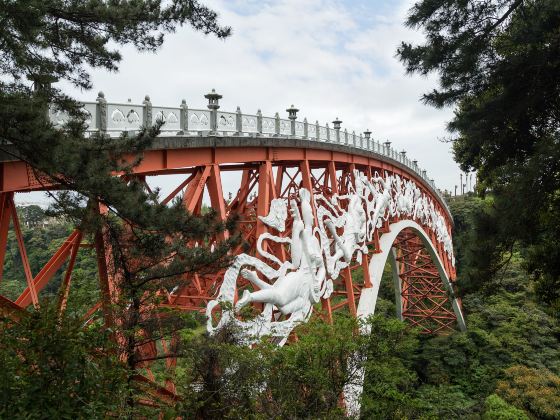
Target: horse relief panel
327	235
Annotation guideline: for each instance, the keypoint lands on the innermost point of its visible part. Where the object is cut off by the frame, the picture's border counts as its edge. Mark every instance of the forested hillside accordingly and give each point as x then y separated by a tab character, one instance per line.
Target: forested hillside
505	366
42	236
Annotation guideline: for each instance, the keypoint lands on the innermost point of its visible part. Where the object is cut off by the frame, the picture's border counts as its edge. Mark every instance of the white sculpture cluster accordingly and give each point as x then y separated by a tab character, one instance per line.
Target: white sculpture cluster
321	245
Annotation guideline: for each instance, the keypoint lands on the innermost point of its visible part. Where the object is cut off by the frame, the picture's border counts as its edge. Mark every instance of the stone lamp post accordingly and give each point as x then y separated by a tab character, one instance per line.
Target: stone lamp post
387	145
213	106
336	126
367	135
292	116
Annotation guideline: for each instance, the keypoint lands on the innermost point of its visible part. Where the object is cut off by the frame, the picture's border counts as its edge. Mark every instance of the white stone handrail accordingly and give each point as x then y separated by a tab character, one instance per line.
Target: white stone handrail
115	118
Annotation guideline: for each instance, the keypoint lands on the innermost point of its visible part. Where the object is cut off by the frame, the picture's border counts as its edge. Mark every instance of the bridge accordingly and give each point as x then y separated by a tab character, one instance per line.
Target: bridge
322	209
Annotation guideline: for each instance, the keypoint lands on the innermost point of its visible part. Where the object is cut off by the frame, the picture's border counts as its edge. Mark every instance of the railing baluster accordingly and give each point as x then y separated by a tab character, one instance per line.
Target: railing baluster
238	122
259	123
100	109
277	125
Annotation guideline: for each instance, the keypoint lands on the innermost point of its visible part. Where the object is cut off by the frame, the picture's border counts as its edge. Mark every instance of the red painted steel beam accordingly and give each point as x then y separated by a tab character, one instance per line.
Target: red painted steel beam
50	268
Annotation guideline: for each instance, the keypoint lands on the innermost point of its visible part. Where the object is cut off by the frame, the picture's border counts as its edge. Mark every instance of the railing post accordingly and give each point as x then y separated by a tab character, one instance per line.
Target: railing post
183	117
336	126
292	116
305	128
213	106
259	123
238	122
354	138
277	125
317	134
147	111
367	135
361	142
328	133
403	156
346	136
101	112
387	148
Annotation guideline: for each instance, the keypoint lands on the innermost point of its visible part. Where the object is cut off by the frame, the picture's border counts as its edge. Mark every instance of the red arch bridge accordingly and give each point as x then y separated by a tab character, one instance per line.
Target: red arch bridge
317	204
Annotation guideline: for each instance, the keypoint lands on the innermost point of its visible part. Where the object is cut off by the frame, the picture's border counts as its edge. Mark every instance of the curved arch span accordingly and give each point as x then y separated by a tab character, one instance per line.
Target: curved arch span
368	297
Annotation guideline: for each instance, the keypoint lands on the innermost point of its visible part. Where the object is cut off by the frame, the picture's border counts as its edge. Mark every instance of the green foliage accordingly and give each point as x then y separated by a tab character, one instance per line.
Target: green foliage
505	327
41	243
499	63
31	215
59	39
218	377
481	244
459	375
497	409
143	242
308	375
55	368
390	377
535	390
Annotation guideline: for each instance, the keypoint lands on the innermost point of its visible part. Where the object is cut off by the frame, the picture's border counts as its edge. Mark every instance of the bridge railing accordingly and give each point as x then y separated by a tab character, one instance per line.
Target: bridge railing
115	118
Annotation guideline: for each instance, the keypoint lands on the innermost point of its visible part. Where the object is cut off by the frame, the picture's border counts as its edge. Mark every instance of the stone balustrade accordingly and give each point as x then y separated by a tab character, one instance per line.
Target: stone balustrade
114	118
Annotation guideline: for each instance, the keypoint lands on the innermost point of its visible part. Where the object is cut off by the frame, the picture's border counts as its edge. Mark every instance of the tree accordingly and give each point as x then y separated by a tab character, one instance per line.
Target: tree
498	409
145	244
535	390
53	367
32	215
305	378
498	63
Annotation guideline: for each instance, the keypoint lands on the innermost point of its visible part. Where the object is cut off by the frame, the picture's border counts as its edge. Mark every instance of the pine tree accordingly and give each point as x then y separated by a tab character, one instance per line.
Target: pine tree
498	63
148	244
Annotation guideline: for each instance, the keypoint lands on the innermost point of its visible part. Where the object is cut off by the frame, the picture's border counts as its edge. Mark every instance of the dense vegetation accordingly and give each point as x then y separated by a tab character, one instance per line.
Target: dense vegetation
498	65
507	365
498	62
144	242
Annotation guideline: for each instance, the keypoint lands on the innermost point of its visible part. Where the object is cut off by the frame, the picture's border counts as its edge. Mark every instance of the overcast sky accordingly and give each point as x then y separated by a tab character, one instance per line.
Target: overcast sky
330	58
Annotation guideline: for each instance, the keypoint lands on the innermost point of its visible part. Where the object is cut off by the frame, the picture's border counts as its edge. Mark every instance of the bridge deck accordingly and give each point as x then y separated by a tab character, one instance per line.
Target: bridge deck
204	141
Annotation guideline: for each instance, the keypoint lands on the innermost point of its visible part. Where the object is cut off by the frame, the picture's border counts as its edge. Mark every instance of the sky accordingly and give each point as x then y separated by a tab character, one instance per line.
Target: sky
330	58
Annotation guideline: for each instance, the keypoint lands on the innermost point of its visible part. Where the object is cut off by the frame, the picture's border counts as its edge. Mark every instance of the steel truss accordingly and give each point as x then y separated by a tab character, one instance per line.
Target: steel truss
267	173
425	302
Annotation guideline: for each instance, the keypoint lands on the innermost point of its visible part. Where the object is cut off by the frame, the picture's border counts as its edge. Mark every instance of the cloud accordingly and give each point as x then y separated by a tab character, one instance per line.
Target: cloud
330	58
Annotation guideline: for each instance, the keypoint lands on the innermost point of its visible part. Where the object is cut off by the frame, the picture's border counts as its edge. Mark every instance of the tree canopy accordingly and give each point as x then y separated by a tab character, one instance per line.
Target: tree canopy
498	64
59	40
147	242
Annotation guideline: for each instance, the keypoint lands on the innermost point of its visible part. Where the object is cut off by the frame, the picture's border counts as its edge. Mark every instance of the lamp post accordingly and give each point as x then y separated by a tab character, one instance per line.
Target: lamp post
336	126
387	147
367	135
213	106
292	116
